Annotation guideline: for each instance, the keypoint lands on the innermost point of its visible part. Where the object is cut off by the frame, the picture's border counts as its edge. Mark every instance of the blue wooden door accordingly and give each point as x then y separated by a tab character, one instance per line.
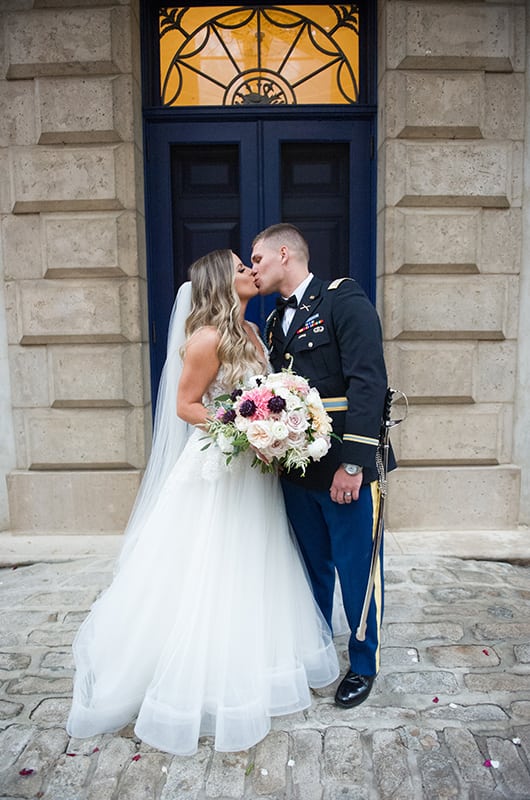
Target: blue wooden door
213	184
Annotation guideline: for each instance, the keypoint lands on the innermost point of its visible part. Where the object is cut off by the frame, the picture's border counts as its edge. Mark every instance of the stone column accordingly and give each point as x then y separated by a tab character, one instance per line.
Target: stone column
7	440
522	427
72	233
451	94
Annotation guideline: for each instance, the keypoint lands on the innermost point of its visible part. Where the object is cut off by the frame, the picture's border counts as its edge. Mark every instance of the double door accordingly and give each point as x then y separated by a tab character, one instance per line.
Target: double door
215	184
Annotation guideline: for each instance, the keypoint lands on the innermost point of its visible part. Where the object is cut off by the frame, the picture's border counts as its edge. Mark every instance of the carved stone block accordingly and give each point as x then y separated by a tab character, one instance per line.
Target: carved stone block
88	438
90	244
107	375
71	502
72	178
448	307
452	35
51	311
89	109
457	498
475	173
60	41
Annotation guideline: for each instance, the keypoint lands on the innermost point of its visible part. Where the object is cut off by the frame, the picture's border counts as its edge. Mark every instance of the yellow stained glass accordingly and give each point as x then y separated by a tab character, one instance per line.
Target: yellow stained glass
259	55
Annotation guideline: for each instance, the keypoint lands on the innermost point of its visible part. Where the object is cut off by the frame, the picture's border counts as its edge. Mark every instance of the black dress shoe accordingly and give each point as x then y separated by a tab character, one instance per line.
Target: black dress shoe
353	689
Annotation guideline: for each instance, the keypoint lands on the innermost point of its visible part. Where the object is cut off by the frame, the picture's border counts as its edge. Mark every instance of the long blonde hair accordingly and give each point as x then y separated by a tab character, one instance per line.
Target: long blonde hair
214	302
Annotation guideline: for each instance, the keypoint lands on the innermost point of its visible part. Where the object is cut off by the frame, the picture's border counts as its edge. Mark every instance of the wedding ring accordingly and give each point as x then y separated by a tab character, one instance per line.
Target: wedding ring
347	494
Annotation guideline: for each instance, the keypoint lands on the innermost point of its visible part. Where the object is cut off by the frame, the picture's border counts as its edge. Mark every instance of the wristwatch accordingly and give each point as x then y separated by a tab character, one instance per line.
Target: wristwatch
352	469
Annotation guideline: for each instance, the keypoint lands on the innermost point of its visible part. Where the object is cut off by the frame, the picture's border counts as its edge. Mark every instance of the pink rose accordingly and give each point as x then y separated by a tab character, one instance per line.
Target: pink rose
296	421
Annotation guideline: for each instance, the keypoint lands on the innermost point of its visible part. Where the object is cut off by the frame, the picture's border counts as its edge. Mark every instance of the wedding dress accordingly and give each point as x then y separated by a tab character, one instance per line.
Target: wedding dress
209	626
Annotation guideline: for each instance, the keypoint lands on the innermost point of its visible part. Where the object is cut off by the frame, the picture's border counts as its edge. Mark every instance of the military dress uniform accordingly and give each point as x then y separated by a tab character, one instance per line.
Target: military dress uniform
335	342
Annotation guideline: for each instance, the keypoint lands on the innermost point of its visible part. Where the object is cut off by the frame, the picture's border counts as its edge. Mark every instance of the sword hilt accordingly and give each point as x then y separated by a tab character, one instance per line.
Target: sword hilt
390	398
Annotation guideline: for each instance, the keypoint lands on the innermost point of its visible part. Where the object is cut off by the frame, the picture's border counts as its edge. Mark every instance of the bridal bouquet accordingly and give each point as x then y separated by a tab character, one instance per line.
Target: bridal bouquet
279	417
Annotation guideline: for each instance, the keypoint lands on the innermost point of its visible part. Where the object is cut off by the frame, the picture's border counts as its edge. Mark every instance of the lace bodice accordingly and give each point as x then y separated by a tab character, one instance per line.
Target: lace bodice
220	384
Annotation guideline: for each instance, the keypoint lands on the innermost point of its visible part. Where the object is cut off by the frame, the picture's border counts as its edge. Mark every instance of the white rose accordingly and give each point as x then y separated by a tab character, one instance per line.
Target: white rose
318	448
279	430
297	439
274	379
314	401
242	423
225	444
277	448
259	434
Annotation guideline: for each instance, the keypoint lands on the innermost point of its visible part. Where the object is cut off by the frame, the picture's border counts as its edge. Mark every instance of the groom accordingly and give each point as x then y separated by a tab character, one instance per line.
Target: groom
331	335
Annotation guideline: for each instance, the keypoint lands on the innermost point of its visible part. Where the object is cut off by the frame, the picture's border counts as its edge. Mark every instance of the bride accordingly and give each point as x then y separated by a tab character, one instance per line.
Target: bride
209	626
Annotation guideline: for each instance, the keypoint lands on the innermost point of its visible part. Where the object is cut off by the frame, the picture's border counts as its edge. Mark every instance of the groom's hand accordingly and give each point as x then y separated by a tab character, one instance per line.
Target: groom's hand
345	488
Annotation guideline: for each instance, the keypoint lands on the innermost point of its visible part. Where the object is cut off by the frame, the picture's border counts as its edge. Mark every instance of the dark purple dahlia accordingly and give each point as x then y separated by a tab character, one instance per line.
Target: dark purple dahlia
276	404
247	408
228	416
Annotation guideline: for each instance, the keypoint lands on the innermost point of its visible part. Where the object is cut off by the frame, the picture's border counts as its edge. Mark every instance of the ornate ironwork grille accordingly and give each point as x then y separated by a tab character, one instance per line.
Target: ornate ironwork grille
259	55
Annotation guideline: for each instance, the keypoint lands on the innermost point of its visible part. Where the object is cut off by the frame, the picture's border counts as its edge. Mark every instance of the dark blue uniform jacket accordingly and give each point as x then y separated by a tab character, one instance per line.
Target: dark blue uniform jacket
335	342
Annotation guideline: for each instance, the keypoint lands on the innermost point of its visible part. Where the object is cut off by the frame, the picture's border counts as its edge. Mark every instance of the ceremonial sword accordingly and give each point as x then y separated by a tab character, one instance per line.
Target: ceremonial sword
381	460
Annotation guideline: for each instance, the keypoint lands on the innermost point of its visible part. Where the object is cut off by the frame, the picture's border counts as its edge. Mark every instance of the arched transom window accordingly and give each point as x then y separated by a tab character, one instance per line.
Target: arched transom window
259	55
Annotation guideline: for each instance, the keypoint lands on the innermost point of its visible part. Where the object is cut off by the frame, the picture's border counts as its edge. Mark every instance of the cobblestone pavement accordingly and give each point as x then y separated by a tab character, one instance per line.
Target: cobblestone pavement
449	715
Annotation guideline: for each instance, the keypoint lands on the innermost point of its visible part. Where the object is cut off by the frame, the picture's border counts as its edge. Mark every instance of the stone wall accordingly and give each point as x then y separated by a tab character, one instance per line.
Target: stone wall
72	252
451	144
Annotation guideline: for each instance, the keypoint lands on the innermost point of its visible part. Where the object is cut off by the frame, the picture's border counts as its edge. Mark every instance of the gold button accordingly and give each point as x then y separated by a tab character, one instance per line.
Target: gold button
310	344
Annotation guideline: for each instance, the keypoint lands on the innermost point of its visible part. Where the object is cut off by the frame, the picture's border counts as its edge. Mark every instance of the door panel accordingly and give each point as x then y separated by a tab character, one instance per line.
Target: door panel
205	202
186	215
215	185
315	197
325	171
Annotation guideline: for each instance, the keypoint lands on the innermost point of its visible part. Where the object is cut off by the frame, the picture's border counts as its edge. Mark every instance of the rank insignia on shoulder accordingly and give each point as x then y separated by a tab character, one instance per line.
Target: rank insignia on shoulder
337	282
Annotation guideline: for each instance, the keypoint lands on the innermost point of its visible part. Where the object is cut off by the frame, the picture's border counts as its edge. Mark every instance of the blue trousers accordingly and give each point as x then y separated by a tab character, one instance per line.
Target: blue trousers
333	536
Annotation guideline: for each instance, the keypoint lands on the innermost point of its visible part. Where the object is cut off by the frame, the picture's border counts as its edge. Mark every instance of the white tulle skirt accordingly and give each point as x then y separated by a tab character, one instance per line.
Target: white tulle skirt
209	626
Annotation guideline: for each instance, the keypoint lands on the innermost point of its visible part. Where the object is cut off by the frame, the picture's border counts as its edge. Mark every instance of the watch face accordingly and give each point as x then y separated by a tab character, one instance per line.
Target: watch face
352	469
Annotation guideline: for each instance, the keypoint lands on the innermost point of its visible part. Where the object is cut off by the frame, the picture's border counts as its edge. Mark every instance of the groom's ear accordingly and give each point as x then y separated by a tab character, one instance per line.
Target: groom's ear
284	253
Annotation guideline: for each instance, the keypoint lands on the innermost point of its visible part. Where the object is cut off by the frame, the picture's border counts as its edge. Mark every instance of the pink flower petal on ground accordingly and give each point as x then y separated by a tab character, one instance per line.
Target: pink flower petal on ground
487	763
436	699
137	757
72	755
26	772
95	750
486	653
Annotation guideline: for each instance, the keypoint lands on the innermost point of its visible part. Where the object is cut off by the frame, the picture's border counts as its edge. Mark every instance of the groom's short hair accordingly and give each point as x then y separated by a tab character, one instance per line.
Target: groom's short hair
284	233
